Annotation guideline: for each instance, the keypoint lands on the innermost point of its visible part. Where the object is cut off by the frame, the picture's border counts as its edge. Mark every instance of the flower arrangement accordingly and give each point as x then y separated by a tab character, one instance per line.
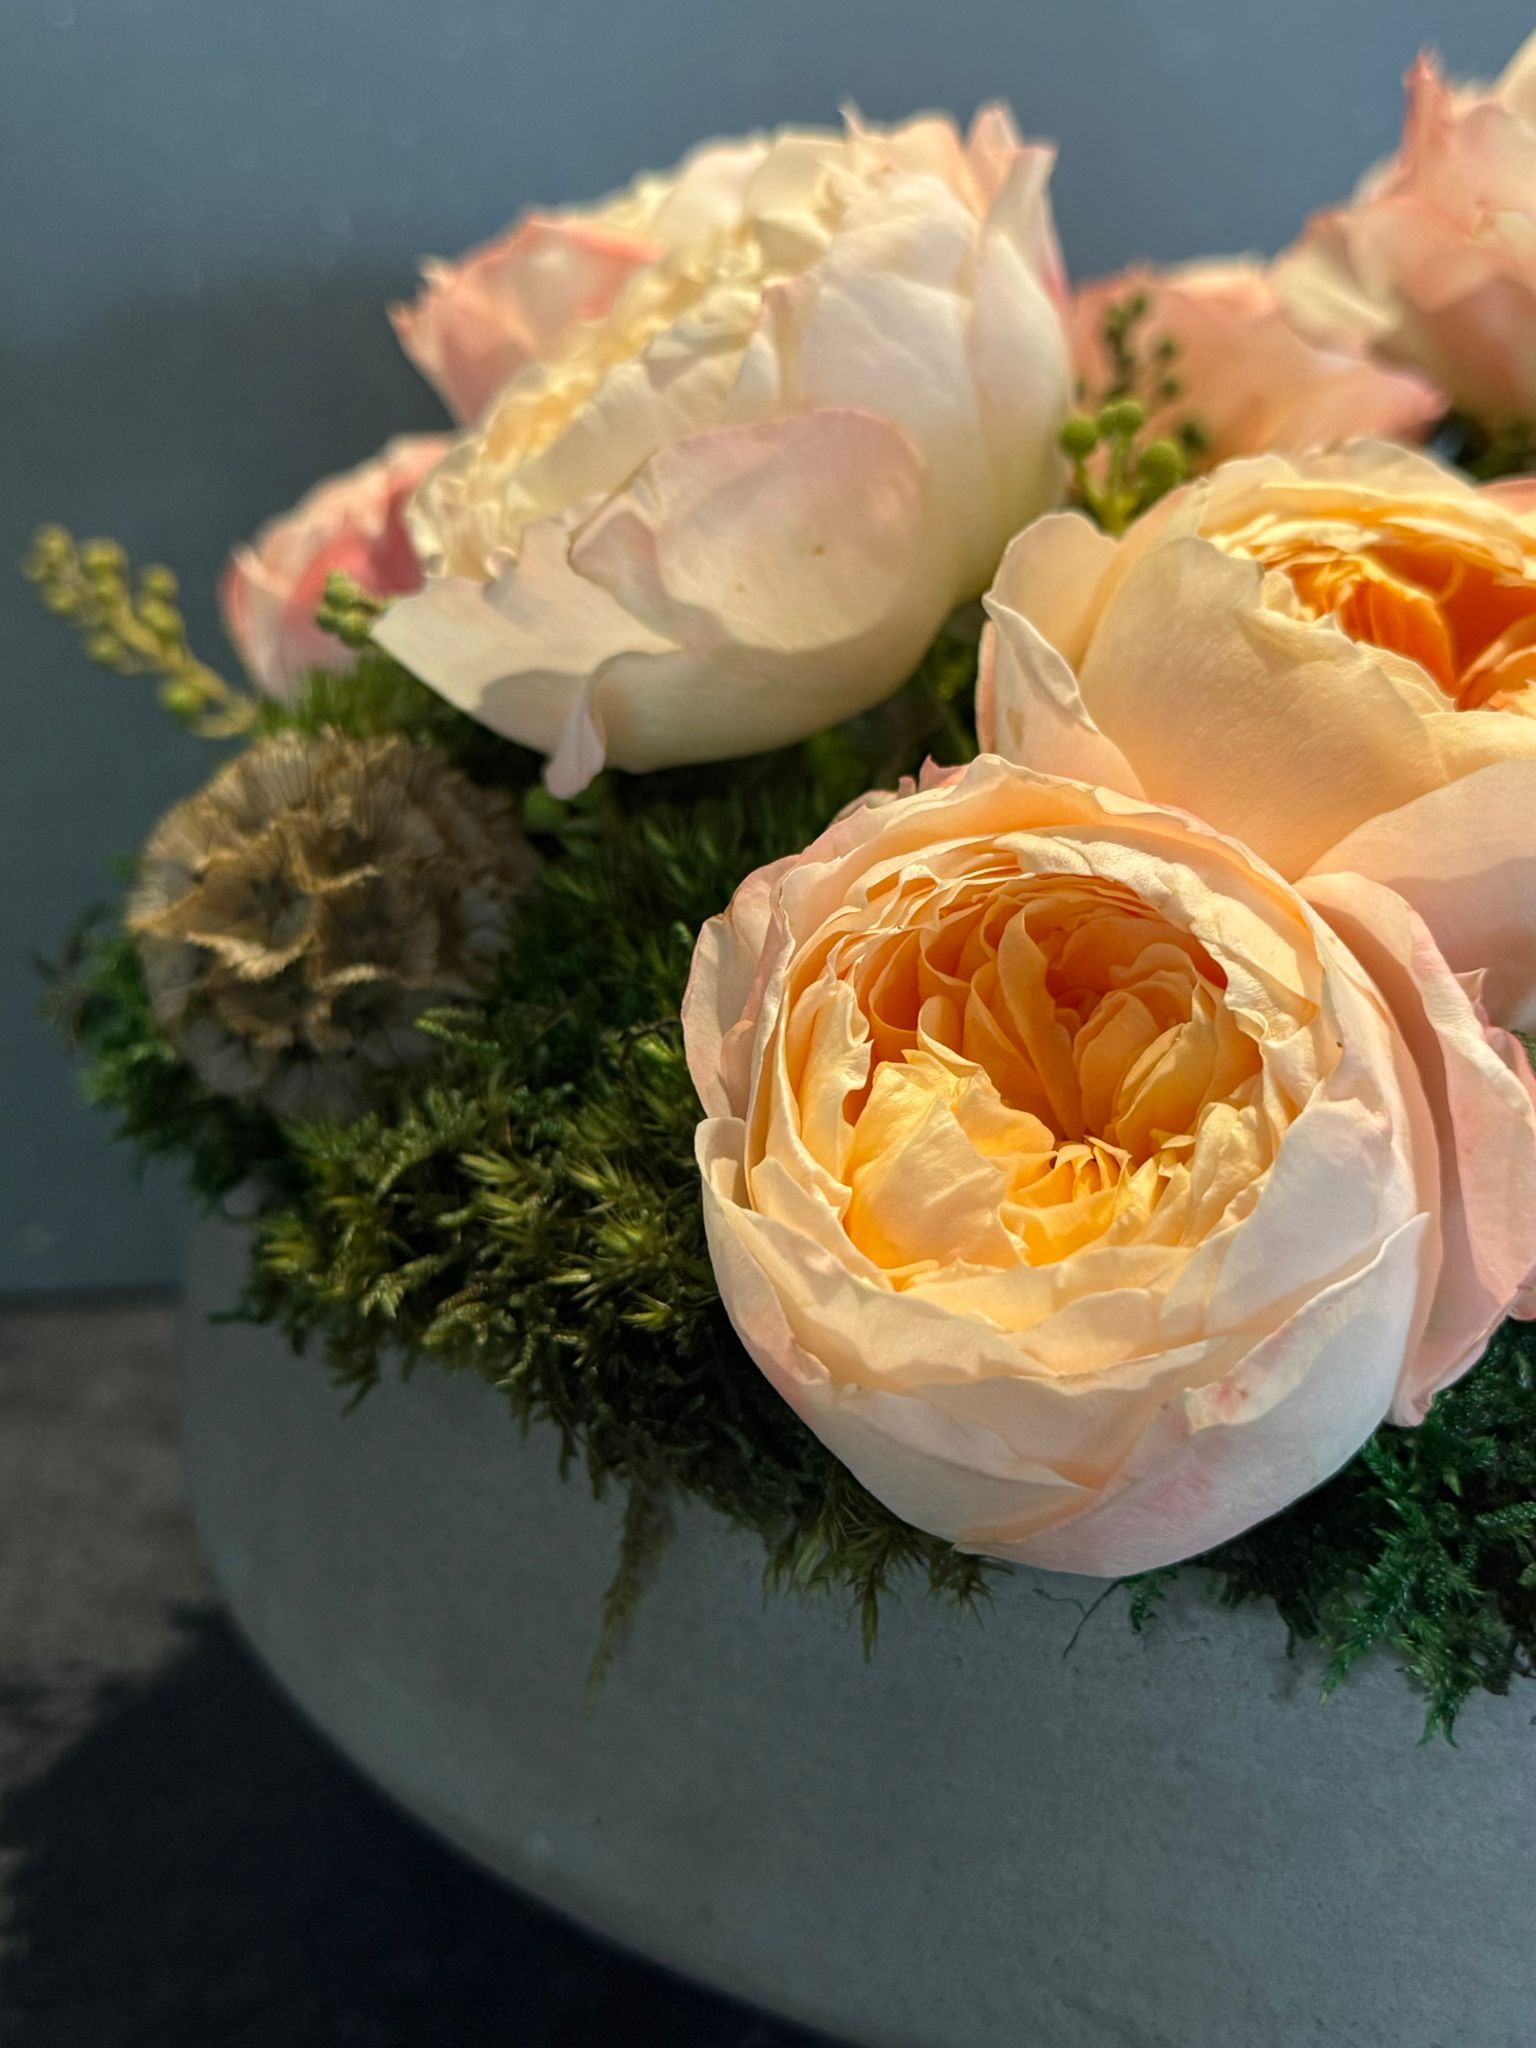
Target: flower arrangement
901	894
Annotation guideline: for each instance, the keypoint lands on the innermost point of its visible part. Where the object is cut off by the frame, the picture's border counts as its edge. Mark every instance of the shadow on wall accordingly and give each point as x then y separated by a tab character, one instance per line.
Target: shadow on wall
176	426
202	1868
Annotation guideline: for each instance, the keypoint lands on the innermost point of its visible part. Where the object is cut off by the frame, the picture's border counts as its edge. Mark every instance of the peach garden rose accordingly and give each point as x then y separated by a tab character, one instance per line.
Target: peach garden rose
768	421
1334	659
1086	1189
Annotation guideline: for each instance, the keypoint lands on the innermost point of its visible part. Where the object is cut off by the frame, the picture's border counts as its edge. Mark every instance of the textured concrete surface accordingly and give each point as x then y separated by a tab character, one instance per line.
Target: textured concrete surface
183	1862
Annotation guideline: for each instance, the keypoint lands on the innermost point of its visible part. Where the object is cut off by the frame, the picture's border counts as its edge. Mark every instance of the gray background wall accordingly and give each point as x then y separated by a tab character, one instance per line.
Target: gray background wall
205	204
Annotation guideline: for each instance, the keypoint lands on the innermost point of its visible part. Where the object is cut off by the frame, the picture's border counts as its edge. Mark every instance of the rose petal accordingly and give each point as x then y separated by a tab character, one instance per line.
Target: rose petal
1029	707
271	588
1281	732
1481	1104
1464	857
515	653
511	302
785	565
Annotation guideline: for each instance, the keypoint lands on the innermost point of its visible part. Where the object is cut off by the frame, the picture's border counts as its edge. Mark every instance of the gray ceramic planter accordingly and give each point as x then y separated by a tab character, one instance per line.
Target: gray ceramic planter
979	1840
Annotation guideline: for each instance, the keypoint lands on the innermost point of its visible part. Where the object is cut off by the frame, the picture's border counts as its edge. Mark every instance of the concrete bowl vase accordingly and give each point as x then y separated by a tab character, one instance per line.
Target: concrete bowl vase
1011	1831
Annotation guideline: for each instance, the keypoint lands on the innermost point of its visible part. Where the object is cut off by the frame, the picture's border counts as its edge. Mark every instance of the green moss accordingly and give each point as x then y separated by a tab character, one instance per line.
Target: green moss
525	1207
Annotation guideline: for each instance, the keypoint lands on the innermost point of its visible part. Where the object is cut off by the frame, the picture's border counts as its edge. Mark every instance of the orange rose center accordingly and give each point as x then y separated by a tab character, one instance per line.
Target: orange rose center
1464	615
1040	1054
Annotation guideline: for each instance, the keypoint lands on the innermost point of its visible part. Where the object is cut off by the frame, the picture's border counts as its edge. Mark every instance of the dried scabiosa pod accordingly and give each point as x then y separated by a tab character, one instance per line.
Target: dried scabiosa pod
298	915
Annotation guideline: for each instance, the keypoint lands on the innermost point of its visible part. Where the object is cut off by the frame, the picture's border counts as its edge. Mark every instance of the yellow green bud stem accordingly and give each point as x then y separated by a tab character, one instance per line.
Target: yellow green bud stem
133	629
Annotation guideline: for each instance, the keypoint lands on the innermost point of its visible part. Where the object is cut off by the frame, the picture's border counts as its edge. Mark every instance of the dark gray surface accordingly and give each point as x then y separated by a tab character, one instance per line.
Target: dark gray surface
183	1864
205	207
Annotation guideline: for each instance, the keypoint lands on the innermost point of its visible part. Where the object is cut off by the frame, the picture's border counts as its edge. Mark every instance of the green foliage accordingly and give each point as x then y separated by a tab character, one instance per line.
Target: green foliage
1129	474
1142	368
1117	474
525	1207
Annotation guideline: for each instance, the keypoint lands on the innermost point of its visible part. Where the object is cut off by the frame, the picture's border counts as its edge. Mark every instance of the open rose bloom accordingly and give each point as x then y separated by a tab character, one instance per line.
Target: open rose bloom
1333	660
769	421
1076	1182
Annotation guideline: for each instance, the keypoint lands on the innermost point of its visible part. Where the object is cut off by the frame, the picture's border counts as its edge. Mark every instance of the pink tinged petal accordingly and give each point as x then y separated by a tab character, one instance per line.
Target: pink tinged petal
1249	373
733	535
992	147
1013	1465
1434	260
757	1315
353	524
787	570
726	964
1019	198
1281	732
887	326
1322	291
252	608
1342	397
909	1453
1515	494
1476	339
1464	857
1224	1457
749	586
1089	1434
516	653
1478	1088
511	302
929	146
581	752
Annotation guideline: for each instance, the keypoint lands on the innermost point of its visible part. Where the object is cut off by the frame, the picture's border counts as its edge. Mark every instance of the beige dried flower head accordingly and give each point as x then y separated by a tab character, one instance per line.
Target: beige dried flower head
297	916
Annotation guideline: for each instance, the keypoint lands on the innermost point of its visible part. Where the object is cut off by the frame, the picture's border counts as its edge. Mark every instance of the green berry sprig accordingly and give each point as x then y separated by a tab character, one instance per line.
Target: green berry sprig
1132	475
134	626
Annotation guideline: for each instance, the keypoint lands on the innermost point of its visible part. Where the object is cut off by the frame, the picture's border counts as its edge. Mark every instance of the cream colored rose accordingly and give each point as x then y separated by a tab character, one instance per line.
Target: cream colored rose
1248	376
1334	660
1075	1182
739	480
1433	261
